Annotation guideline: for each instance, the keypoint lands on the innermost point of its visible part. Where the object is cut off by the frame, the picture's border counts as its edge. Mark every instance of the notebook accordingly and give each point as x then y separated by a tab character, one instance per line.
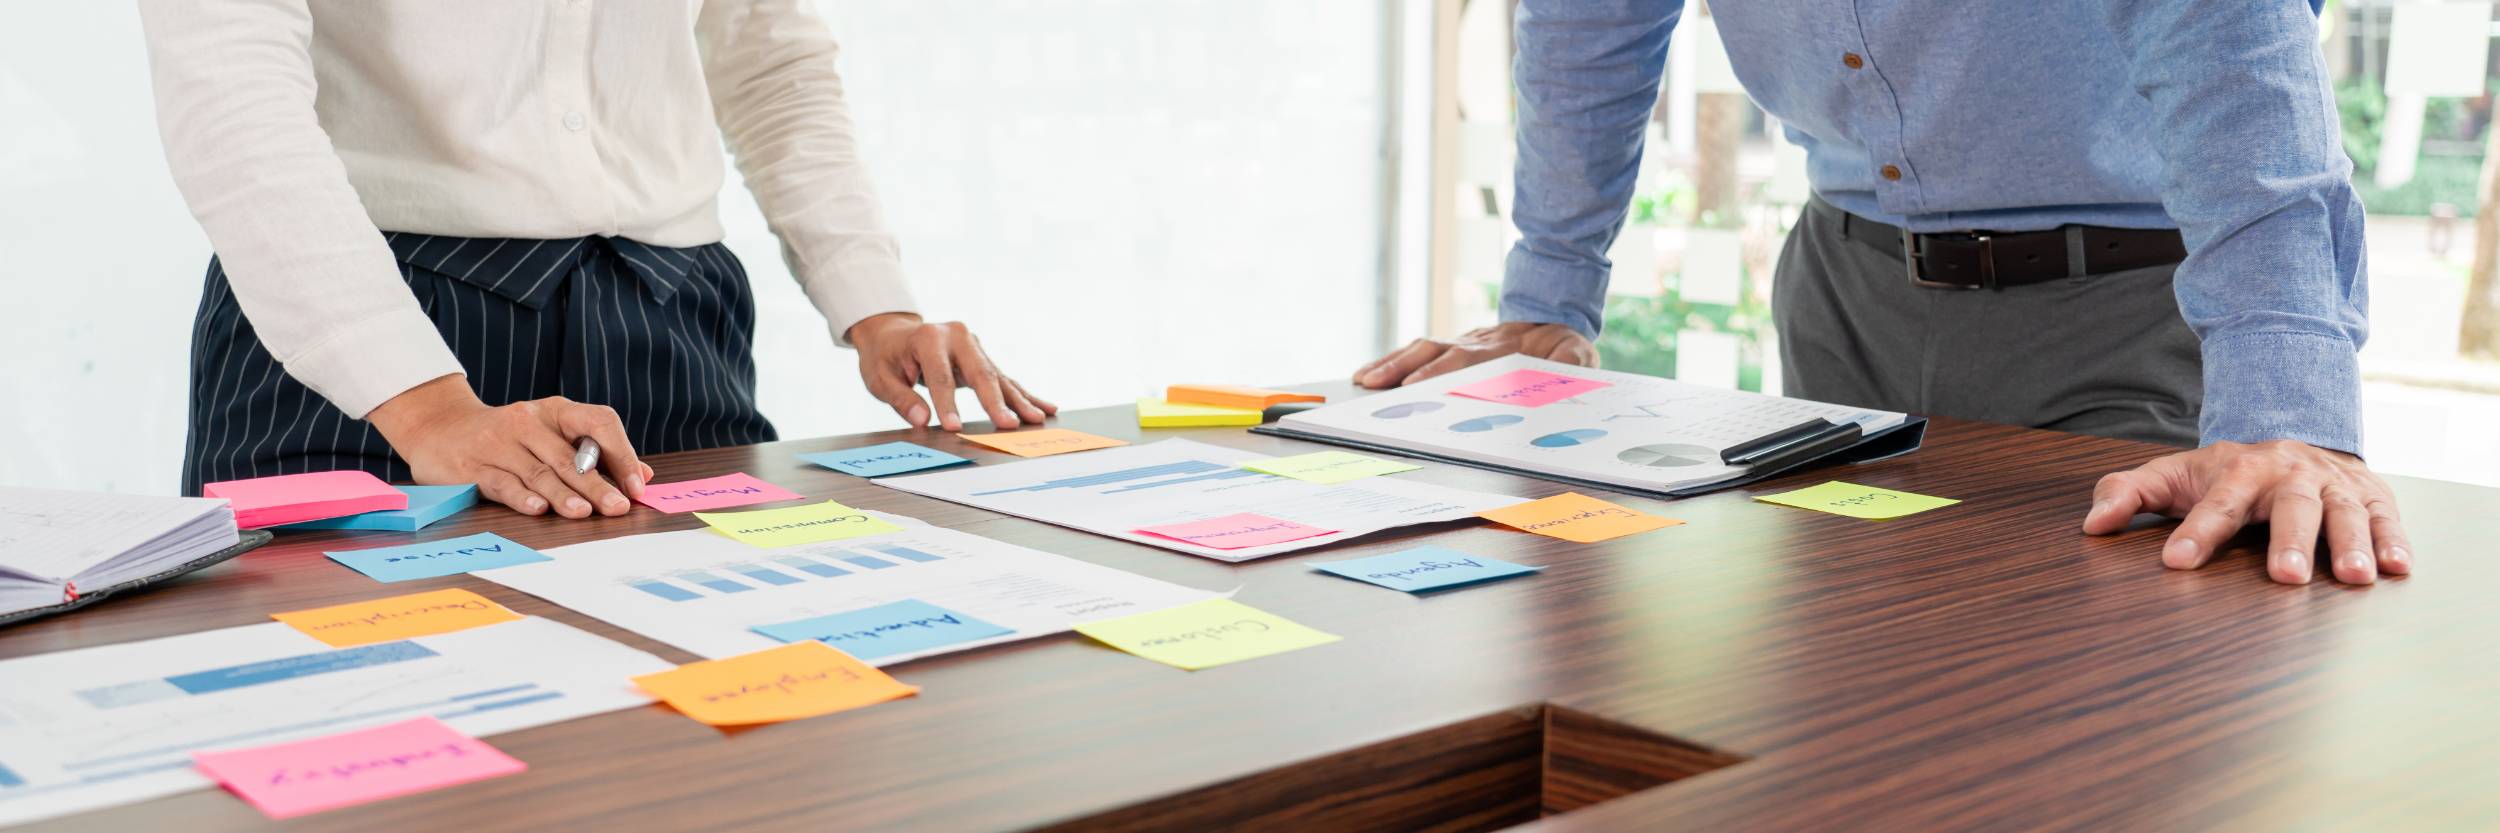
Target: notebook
60	550
290	498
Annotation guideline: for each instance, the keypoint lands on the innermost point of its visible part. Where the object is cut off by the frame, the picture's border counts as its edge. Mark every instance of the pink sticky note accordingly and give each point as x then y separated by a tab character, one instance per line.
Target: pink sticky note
713	493
1528	388
290	498
308	776
1233	532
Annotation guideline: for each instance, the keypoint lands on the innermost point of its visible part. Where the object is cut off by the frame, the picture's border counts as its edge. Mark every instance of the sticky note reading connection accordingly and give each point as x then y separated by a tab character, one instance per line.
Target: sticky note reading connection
397	617
1205	634
286	780
801	679
1857	501
794	525
1328	466
1528	388
1043	442
1237	531
740	489
1572	516
433	559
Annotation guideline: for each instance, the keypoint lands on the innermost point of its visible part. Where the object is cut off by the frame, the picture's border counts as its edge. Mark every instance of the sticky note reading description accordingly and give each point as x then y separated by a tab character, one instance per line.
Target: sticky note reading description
1205	634
397	617
1528	388
1425	568
432	559
1043	442
1572	516
308	776
798	680
1237	531
904	627
1328	466
721	492
883	459
1857	501
794	525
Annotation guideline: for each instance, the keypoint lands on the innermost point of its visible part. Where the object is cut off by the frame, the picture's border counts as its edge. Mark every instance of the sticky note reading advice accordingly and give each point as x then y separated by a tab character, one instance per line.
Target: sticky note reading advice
1043	442
1328	466
430	559
286	780
801	679
1204	634
1857	501
1572	516
1237	531
1528	388
883	459
1425	568
740	489
904	627
794	525
397	617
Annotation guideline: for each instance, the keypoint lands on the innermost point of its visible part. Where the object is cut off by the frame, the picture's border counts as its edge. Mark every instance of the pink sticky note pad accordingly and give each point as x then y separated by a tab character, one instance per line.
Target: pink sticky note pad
290	498
1233	532
713	493
308	776
1528	388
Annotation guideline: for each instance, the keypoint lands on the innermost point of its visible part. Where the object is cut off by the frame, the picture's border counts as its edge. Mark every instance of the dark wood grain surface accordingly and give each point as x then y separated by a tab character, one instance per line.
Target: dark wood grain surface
1983	666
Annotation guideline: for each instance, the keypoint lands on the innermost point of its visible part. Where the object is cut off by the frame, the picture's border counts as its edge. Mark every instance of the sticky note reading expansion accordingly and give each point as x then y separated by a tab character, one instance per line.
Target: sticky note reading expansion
1043	442
883	459
1328	466
1572	516
794	525
1204	634
407	562
1237	531
801	679
1857	501
286	780
1425	568
904	627
397	617
1528	388
721	492
1236	396
1158	413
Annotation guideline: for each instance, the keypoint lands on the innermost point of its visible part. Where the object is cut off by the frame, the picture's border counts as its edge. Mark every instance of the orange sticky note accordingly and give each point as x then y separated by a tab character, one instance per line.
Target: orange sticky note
1236	396
801	679
1042	443
397	617
1572	516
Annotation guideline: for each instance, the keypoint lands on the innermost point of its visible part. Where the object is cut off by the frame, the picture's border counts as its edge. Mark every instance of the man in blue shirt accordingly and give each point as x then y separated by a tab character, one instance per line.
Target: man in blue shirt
2009	196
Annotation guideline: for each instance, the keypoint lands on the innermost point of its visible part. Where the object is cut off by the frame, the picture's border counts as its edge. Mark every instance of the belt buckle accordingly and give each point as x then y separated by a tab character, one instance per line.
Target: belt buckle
1987	263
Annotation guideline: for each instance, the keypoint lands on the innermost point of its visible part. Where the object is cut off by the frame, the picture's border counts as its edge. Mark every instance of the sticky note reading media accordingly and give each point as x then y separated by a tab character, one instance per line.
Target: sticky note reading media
1528	388
1857	501
801	679
1572	516
1043	442
903	627
450	556
794	525
1328	466
721	492
1237	531
286	780
883	459
397	617
1425	568
1204	634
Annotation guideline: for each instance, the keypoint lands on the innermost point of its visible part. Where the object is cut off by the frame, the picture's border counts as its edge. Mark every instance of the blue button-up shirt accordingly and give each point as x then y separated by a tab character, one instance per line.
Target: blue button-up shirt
2214	118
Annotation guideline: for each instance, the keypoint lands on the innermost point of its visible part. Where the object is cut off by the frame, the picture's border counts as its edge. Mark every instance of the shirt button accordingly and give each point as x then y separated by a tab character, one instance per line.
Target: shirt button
574	121
1892	172
1852	61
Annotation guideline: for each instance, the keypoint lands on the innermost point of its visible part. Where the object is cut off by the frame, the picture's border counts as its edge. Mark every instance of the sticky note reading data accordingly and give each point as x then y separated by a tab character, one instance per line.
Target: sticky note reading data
397	617
308	776
407	562
1572	516
1425	568
1857	501
904	627
794	525
1204	634
883	459
1528	388
1043	442
1158	413
426	504
721	492
1237	531
1328	466
801	679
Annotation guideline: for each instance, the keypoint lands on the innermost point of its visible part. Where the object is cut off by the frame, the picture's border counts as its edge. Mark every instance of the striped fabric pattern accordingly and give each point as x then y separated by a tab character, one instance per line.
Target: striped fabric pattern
663	335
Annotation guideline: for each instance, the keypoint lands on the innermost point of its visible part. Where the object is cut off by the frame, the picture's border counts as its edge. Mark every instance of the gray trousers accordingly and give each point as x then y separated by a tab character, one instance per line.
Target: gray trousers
2104	354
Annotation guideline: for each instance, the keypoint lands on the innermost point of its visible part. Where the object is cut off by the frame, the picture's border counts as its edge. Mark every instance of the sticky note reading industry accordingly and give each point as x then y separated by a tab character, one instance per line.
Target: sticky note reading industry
1205	634
397	617
798	680
430	559
740	489
1572	516
1857	501
794	525
308	776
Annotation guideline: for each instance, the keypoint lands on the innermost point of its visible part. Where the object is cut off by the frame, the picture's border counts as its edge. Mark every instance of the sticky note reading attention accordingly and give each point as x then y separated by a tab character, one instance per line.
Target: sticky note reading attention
1572	516
450	556
286	780
904	627
1237	531
1042	443
721	492
1159	413
397	617
1204	634
801	679
1425	568
794	525
1328	466
1857	501
883	459
1528	388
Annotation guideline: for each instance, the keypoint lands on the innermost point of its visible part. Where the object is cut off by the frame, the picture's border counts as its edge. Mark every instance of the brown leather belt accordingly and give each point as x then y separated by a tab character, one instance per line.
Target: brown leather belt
1997	260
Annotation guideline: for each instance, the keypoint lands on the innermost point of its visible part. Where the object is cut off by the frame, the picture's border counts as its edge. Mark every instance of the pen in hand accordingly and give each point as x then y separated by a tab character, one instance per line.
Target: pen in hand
585	455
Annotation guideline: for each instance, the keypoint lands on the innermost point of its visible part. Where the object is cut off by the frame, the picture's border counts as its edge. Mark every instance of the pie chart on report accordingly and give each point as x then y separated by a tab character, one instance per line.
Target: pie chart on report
1667	456
1567	439
1486	423
1407	409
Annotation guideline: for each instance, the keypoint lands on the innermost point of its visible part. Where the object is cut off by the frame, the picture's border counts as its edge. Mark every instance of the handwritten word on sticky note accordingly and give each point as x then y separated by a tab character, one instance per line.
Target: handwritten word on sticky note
1857	501
1158	413
1205	634
1237	531
1572	516
794	525
1043	442
1328	466
883	459
450	556
286	780
801	679
1528	388
904	627
397	617
727	490
1425	568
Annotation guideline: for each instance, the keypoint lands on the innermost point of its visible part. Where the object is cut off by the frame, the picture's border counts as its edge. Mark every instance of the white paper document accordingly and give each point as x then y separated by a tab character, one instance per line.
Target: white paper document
1114	491
96	727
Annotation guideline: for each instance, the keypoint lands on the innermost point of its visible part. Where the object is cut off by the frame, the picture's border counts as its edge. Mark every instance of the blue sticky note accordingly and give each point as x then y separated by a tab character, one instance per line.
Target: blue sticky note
1425	568
903	627
468	553
426	504
883	459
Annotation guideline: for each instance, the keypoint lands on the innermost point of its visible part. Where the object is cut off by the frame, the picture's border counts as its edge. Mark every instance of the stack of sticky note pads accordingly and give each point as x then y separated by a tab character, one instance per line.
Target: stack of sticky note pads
292	498
1198	406
426	504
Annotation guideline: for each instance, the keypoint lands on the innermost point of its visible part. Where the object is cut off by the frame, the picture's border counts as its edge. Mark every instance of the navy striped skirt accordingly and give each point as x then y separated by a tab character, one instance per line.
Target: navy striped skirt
663	335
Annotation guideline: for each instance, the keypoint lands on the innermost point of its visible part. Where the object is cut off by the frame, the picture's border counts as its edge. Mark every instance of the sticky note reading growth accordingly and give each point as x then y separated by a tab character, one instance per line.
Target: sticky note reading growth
286	780
883	459
450	556
801	679
1857	501
794	525
1158	413
721	492
1204	634
1528	388
1043	442
1328	466
904	627
1237	531
1572	516
1425	568
397	617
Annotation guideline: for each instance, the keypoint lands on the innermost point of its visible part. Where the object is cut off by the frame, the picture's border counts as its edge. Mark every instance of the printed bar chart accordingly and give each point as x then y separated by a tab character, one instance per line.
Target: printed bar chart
785	570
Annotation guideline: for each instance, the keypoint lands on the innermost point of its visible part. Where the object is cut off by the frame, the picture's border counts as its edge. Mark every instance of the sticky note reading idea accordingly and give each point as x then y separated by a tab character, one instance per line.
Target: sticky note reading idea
1572	516
308	776
1237	531
904	627
1042	443
1328	466
794	525
883	459
1204	634
1425	568
397	617
450	556
801	679
1528	388
727	490
1857	501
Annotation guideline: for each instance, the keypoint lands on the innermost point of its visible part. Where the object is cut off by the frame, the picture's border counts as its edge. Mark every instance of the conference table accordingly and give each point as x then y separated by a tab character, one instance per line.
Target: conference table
1981	666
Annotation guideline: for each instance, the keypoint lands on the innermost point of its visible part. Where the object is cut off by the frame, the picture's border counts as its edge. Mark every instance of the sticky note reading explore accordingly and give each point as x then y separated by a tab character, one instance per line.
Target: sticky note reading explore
1328	466
1237	531
397	617
1572	516
801	679
286	780
1204	634
904	627
1425	568
794	525
1528	388
721	492
1043	442
883	459
1158	413
1857	501
450	556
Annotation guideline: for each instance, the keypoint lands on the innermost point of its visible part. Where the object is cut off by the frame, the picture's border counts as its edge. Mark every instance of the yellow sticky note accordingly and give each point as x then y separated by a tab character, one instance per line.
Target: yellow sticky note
1158	413
1204	634
1328	466
1857	501
794	525
801	679
397	617
1572	516
1042	442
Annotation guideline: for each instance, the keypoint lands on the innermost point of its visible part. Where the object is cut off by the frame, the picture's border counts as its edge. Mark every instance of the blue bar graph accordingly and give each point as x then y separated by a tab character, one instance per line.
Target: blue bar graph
905	553
868	561
766	576
1226	474
715	582
1109	477
667	591
288	668
813	567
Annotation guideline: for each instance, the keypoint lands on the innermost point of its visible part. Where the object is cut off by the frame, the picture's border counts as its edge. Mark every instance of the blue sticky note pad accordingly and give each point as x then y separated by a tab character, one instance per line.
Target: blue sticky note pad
1425	568
468	553
426	504
903	627
883	459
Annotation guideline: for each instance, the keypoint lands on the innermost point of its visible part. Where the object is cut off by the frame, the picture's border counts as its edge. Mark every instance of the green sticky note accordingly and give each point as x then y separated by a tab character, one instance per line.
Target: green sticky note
1204	634
1857	501
1328	466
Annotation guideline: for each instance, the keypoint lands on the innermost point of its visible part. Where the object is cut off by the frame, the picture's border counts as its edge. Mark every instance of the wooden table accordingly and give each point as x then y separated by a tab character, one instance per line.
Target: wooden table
1983	666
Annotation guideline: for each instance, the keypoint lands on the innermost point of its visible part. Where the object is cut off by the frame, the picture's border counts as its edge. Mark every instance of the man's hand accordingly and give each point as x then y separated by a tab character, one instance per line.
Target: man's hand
897	350
2299	489
519	455
1428	357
